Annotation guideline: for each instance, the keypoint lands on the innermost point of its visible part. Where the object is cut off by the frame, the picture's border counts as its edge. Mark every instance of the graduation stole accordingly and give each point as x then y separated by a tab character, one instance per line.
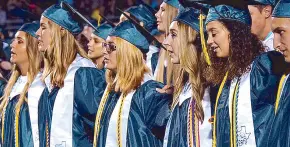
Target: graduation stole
280	90
238	129
16	126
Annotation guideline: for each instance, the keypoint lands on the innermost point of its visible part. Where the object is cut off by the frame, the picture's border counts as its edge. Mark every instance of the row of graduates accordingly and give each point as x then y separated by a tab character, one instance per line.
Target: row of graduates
115	99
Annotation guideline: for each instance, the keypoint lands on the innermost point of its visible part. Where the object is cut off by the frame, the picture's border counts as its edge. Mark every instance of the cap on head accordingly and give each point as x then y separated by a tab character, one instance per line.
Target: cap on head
127	31
232	10
173	3
282	9
145	14
63	18
30	28
103	30
265	2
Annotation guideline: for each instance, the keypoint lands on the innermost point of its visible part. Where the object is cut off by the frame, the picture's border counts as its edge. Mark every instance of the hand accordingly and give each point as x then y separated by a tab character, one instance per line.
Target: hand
168	89
6	65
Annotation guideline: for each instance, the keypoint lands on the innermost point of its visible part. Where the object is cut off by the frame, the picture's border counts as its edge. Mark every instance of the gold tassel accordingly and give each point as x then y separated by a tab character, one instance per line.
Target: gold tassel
203	44
99	19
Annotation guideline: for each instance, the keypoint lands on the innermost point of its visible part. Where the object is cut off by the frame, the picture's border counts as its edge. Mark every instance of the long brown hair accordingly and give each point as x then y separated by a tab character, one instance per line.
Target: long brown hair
61	53
130	68
190	55
244	48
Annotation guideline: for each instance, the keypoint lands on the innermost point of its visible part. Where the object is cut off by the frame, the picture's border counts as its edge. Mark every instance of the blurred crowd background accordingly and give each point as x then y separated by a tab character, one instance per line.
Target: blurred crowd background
13	13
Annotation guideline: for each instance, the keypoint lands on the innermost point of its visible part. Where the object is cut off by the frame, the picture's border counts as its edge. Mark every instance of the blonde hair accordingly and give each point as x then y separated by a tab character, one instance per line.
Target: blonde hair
190	55
130	68
61	53
35	61
164	56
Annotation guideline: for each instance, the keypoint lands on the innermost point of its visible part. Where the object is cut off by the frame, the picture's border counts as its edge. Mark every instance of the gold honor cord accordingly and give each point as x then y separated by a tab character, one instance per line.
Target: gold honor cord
203	44
3	122
99	115
119	137
197	131
190	128
233	117
216	103
47	133
280	89
16	127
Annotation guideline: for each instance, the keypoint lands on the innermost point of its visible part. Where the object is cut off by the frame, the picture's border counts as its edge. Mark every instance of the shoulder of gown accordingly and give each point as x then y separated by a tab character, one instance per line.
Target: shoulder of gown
155	106
264	84
89	87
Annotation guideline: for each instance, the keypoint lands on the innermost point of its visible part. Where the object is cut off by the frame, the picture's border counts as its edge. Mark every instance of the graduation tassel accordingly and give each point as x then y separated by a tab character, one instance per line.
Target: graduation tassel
204	48
99	18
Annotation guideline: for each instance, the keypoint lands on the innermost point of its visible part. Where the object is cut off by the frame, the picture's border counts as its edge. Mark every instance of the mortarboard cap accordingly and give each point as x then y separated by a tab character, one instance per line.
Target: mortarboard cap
173	3
103	30
30	28
142	30
265	2
127	31
76	15
146	15
282	9
63	18
233	10
196	20
197	5
190	17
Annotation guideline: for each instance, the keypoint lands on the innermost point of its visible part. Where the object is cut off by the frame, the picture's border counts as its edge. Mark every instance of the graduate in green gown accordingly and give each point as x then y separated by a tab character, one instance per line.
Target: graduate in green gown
19	127
144	14
244	72
131	113
95	44
164	72
74	85
279	130
188	125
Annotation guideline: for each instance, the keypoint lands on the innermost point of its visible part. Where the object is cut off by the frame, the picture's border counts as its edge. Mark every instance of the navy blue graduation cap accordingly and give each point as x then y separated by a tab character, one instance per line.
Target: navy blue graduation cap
103	30
173	3
282	9
63	18
142	30
189	16
145	14
76	15
30	28
233	10
197	5
195	19
127	31
265	2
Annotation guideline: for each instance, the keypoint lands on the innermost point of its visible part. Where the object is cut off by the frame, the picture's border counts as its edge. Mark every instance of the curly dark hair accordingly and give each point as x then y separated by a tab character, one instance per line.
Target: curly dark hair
244	48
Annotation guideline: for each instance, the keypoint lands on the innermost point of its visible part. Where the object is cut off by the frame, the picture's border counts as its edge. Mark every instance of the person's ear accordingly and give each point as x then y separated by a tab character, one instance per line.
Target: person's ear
267	11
